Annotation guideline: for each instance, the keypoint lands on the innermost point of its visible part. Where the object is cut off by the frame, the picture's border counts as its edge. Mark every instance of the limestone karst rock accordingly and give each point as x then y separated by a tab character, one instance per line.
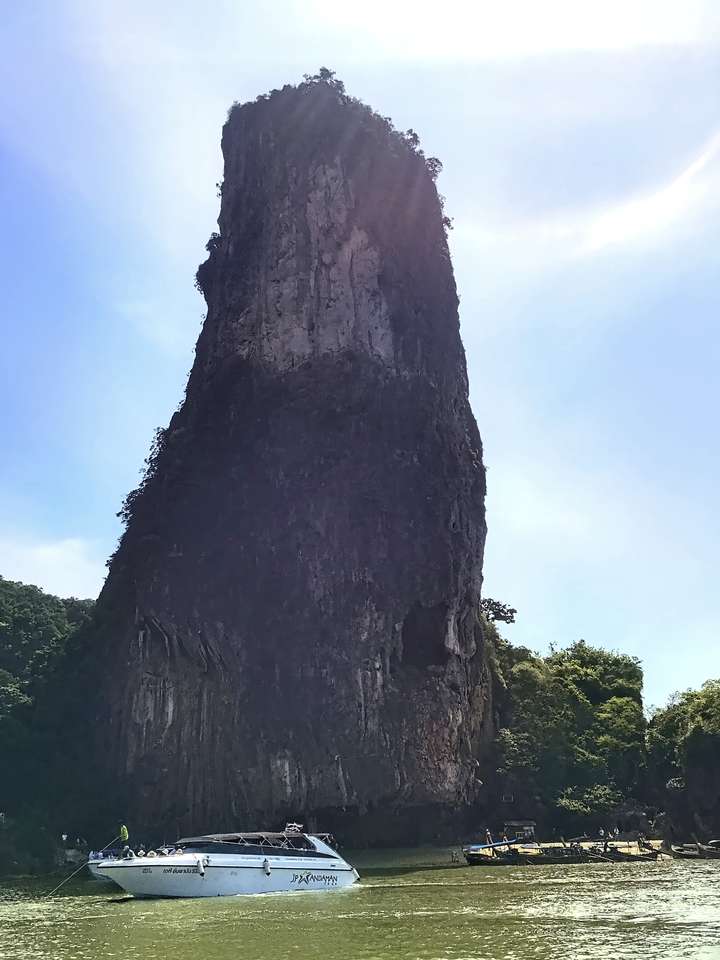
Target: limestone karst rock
290	624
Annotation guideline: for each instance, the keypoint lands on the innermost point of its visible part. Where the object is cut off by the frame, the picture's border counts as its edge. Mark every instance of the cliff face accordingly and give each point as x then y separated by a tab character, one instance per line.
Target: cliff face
289	627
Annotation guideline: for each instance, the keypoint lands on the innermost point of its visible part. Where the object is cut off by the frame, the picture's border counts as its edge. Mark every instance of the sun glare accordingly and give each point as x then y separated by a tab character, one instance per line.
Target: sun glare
462	29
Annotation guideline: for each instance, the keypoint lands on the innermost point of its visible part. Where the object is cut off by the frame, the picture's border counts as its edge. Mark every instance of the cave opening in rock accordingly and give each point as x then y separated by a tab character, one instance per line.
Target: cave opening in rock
423	636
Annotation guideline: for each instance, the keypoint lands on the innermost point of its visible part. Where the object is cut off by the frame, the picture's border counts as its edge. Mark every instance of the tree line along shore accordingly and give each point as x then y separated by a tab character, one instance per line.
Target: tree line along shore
574	748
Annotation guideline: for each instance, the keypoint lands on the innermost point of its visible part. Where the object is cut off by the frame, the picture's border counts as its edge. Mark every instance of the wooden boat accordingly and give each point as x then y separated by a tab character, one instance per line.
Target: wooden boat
695	851
502	853
685	851
572	853
616	855
516	853
510	858
506	854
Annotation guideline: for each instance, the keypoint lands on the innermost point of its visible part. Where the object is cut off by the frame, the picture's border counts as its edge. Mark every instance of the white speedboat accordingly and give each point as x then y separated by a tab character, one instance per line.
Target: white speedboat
229	864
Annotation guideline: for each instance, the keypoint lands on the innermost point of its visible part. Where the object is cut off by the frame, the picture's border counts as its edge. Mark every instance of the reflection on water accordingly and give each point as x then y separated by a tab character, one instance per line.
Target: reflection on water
410	905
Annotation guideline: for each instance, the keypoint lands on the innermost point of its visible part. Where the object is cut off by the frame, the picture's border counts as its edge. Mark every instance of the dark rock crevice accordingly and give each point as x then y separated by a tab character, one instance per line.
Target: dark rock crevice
424	634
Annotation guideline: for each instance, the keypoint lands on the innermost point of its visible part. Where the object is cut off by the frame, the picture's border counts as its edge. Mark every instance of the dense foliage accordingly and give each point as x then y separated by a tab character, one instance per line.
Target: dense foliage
36	634
689	724
684	759
572	741
34	628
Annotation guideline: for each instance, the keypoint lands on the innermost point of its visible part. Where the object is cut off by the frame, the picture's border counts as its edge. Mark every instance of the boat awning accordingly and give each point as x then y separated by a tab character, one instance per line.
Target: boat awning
296	840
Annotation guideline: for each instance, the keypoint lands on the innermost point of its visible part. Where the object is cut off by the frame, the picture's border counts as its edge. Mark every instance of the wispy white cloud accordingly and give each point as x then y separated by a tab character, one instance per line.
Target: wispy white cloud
581	514
649	217
486	30
529	248
69	567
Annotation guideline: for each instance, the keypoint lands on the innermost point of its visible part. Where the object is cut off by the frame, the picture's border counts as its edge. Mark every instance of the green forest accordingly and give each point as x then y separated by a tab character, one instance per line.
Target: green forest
574	748
36	634
34	629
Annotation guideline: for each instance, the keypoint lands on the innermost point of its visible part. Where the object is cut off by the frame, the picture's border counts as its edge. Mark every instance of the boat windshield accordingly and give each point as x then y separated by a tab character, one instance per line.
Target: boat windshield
280	844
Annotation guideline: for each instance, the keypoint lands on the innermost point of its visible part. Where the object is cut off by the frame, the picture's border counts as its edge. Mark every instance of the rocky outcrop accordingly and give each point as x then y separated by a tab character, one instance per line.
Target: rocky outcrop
290	624
692	803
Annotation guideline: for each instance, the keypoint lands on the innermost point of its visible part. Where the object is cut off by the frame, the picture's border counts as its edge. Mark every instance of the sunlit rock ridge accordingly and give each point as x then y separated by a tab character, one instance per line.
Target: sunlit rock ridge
290	624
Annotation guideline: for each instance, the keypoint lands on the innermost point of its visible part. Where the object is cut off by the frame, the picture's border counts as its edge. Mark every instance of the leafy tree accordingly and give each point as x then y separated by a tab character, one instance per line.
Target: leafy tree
130	503
600	674
618	736
434	167
704	710
35	630
327	76
680	732
412	139
495	610
684	760
572	740
594	803
11	694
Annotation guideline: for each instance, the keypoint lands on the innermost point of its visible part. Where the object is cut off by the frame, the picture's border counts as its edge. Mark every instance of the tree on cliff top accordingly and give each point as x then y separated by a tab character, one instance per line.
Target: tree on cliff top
409	140
495	610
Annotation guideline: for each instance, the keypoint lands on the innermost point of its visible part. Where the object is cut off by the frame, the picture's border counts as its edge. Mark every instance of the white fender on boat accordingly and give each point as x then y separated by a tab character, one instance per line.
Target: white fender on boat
202	862
266	867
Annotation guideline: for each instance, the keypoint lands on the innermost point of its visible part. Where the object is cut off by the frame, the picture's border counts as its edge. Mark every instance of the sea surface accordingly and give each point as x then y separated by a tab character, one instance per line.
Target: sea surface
409	905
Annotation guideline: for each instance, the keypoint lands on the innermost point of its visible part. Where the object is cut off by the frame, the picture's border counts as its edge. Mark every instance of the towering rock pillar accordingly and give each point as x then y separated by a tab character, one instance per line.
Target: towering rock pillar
291	620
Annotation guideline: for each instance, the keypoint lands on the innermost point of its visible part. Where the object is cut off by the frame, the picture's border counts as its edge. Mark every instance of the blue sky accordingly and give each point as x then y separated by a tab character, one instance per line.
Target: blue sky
581	144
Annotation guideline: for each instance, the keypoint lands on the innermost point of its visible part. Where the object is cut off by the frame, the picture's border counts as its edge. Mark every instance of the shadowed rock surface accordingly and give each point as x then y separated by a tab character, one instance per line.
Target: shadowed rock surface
289	626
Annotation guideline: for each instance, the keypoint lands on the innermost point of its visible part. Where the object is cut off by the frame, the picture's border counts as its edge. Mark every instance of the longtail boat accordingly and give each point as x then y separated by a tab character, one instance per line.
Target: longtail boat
694	851
520	854
511	853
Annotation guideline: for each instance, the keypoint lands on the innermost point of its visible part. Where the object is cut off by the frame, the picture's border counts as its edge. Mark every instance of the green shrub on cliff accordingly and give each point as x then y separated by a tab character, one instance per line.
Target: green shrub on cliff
11	694
599	800
572	741
686	728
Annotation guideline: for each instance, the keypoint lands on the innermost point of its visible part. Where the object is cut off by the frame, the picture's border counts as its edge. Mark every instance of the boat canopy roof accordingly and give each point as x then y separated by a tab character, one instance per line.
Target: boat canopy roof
270	839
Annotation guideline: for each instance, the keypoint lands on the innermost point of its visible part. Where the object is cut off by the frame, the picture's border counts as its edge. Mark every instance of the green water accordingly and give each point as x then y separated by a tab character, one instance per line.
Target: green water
409	904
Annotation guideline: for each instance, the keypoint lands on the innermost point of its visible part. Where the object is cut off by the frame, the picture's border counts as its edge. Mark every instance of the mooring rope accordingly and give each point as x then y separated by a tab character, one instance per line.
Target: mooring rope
83	864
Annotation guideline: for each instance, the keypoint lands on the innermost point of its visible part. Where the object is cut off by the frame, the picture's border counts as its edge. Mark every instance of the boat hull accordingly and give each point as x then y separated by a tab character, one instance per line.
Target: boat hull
194	876
511	859
621	856
694	851
483	856
93	869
